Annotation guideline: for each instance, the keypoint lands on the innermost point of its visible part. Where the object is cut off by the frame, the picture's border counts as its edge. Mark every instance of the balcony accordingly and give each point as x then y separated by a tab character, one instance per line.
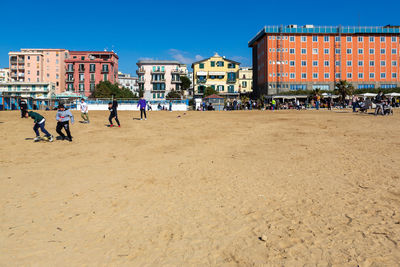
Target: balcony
140	71
70	70
21	67
21	61
231	81
81	69
158	81
158	71
201	81
92	70
70	80
176	71
14	67
176	81
105	70
141	81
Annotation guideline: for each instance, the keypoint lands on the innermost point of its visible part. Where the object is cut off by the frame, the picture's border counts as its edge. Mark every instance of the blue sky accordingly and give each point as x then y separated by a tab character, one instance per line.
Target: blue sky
182	30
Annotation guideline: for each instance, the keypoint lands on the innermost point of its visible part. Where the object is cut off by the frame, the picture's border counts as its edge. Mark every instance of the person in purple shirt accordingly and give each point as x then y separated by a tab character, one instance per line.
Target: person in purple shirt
142	103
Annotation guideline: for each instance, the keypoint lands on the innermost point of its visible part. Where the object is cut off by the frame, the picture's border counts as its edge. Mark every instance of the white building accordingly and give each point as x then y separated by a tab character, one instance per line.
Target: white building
126	80
5	75
37	90
245	80
158	77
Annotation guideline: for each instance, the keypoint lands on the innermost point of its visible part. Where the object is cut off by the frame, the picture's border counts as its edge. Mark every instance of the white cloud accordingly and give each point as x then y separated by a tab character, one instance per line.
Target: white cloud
183	56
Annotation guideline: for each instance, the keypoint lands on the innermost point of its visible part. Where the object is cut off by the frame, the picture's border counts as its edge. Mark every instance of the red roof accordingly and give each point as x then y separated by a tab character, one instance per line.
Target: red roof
213	96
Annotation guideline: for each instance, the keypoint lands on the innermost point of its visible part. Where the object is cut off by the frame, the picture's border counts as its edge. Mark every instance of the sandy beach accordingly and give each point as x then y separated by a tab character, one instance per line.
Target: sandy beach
245	188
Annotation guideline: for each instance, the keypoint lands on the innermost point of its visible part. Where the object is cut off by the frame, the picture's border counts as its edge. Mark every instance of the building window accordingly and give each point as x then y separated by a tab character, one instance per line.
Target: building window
212	63
371	63
244	84
394	51
360	63
360	75
337	51
383	63
291	63
349	75
82	58
337	63
304	75
360	51
92	77
92	67
372	75
394	75
37	58
360	39
394	39
304	63
326	51
37	73
326	75
201	65
220	63
349	51
337	38
105	77
383	51
231	65
92	87
303	39
315	75
105	68
315	38
326	38
315	63
383	39
371	39
394	63
315	51
291	51
349	63
371	51
292	76
81	77
348	39
81	87
326	63
303	51
337	75
291	38
383	75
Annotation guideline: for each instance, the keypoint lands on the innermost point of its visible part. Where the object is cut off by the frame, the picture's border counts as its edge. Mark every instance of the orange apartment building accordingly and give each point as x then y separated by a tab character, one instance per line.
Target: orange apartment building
305	58
39	65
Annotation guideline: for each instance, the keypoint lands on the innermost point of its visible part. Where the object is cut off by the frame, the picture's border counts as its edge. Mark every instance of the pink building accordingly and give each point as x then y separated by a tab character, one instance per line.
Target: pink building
39	65
85	69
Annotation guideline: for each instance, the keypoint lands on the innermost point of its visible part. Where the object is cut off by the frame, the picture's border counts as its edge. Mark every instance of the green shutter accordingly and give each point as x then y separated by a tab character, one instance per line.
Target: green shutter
212	63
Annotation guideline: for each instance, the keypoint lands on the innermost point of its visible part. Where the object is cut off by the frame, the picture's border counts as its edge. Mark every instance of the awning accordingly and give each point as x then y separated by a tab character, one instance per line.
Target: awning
217	73
201	73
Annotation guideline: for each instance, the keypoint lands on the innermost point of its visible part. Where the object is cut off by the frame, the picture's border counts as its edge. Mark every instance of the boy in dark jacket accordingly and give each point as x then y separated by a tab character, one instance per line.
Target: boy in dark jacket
39	121
112	107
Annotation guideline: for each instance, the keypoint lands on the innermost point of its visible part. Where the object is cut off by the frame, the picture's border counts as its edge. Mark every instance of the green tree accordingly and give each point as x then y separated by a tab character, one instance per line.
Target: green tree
209	91
109	90
173	95
185	83
344	88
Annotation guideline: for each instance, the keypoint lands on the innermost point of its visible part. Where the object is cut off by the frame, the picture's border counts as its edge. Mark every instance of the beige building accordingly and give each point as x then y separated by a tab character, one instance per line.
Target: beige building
4	75
245	80
216	72
39	65
35	90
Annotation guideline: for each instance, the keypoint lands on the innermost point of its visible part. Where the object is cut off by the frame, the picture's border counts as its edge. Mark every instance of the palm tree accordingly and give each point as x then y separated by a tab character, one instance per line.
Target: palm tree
344	88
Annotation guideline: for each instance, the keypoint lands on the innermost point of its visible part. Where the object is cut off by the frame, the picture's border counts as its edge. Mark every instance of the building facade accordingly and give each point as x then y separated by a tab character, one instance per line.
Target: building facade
39	65
245	80
216	72
127	81
158	77
305	58
4	75
85	69
37	90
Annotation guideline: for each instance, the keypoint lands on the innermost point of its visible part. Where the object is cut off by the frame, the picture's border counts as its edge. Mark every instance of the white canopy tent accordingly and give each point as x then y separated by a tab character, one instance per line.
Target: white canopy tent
365	95
393	95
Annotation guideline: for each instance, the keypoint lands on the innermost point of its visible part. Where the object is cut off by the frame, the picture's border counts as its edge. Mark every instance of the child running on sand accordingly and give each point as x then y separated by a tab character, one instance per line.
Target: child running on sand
112	107
39	122
84	111
63	117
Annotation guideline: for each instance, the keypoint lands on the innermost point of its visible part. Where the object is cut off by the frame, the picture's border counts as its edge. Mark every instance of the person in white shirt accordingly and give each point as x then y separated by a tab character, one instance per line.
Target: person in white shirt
84	111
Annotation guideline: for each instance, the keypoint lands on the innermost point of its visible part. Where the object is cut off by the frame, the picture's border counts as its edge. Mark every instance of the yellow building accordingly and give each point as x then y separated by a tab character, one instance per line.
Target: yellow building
246	80
216	72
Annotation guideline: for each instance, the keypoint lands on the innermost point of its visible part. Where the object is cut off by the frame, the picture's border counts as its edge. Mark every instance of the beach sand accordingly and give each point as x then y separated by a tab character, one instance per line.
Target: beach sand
285	188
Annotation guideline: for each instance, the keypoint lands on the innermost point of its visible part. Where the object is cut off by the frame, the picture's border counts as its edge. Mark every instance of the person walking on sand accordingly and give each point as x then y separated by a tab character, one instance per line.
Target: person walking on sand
84	111
112	107
63	117
142	104
39	122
